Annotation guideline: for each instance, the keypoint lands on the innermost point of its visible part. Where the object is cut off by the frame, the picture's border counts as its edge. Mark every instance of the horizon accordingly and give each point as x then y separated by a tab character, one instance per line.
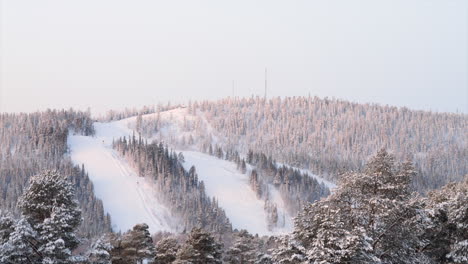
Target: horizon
175	104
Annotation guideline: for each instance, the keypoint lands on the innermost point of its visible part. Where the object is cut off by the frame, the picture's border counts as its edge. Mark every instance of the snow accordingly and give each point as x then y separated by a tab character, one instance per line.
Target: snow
231	188
129	199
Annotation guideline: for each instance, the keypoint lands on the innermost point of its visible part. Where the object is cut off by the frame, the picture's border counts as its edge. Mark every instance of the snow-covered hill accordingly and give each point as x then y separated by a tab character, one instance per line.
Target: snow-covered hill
129	199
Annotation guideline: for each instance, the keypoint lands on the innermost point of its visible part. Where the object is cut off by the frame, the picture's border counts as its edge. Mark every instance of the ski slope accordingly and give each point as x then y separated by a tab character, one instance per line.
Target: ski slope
128	199
231	188
222	179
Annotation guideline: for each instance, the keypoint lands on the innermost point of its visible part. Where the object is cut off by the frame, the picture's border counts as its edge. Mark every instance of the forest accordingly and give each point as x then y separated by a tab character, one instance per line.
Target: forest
331	136
372	217
400	192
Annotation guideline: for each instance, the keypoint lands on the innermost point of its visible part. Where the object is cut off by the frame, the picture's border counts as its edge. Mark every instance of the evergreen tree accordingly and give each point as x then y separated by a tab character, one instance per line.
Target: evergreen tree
243	167
244	250
166	250
370	218
200	248
6	228
52	211
134	246
181	157
288	251
446	233
100	252
20	247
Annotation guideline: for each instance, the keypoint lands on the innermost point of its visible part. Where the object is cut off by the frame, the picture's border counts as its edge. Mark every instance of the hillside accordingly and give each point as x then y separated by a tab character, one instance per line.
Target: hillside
325	136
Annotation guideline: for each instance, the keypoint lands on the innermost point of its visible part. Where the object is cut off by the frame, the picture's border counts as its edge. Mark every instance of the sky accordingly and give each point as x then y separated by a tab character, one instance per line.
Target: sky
113	54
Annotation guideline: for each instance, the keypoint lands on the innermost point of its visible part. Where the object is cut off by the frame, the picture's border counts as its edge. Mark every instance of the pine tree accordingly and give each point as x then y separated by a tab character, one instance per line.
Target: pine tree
50	208
200	248
288	251
369	218
134	246
6	228
100	252
142	241
20	247
166	251
446	233
244	250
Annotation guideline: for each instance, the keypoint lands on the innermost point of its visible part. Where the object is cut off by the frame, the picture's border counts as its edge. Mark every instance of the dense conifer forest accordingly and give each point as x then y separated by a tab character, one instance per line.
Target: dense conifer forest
400	191
330	136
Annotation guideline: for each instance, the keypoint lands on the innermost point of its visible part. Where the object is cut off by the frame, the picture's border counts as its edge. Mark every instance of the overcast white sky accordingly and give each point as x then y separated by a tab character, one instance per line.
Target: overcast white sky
111	54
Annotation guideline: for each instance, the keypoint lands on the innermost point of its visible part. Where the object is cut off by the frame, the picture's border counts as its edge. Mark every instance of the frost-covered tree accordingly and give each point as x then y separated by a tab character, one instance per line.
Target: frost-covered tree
135	246
6	228
100	252
166	250
288	251
21	245
141	241
244	250
181	157
200	248
50	208
369	218
447	231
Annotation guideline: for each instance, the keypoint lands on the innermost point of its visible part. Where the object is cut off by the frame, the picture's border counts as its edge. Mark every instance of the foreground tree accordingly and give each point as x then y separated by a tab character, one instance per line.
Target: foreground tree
166	250
244	250
49	208
19	248
447	230
200	248
100	252
370	218
6	228
134	246
288	251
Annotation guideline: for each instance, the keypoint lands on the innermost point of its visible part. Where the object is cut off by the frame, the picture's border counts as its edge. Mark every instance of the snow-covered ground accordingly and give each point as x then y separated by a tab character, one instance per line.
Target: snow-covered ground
129	199
231	188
